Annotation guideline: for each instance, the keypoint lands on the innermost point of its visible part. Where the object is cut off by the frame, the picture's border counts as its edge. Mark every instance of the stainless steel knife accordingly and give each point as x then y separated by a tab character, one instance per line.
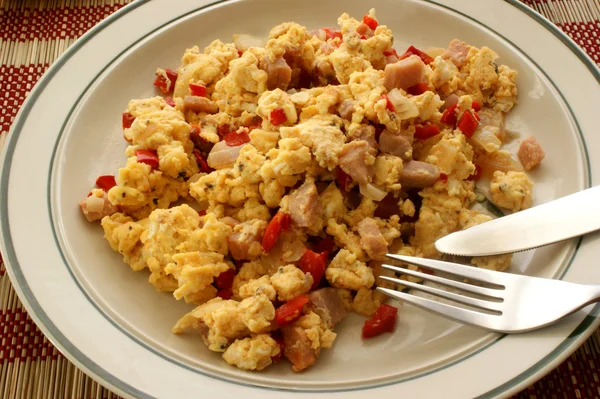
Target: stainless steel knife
554	221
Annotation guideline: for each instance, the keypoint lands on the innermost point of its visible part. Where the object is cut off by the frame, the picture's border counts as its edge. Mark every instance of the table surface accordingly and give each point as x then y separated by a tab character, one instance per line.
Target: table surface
33	33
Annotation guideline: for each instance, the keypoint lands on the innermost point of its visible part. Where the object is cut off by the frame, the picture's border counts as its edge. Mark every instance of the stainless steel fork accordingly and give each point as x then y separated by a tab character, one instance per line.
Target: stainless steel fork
496	301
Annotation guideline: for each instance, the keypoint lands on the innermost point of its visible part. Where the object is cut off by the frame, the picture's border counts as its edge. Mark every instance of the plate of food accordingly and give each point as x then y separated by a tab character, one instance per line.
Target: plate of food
215	186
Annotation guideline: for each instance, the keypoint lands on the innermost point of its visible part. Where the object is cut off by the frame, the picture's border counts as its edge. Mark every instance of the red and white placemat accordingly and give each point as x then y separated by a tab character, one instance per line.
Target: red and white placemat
34	33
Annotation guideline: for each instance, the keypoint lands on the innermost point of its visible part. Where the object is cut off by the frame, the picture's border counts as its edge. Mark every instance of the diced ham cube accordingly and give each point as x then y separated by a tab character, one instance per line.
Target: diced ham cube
419	174
95	208
395	144
298	347
371	239
404	73
353	161
346	109
245	243
457	51
328	305
279	74
530	153
364	132
200	104
304	205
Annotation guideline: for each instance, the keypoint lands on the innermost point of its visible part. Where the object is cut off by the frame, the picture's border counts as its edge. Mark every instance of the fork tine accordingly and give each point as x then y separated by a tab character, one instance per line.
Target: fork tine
467	316
478	303
489	292
475	273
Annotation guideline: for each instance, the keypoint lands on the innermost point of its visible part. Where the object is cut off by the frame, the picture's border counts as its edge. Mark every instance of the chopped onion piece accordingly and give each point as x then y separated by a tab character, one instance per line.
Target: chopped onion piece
222	156
94	204
372	192
244	42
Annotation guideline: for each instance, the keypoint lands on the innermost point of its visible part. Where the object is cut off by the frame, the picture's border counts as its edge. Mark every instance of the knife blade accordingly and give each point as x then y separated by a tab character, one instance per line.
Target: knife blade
553	221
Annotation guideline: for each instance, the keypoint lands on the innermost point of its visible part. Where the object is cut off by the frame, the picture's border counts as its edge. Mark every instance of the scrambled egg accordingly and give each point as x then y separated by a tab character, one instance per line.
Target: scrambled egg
349	142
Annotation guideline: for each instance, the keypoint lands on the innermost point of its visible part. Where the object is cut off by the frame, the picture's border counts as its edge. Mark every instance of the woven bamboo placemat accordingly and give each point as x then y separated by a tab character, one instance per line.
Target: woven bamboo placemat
33	33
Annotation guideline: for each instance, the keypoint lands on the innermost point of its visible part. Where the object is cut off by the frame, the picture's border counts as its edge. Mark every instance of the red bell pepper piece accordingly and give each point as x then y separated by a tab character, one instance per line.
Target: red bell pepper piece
277	116
388	104
477	175
476	106
417	89
342	179
370	22
449	116
290	310
166	85
202	165
415	51
390	53
476	115
234	139
467	124
315	264
325	245
276	335
106	182
149	157
170	101
225	279
423	132
384	320
225	293
127	120
444	177
197	90
279	223
332	34
223	130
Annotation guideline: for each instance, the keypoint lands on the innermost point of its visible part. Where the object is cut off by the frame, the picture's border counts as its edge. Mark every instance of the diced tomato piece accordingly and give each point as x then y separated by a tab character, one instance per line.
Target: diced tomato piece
149	157
223	130
444	177
290	310
417	89
127	120
277	116
467	124
202	212
225	279
477	175
234	139
202	165
343	179
426	131
415	51
390	53
449	116
276	335
106	182
170	101
388	104
370	22
166	85
325	245
197	90
332	34
279	223
384	320
315	264
476	106
225	293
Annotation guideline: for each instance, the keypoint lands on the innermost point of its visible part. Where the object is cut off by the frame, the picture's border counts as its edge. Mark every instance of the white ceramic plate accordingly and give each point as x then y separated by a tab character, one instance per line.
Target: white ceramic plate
113	324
